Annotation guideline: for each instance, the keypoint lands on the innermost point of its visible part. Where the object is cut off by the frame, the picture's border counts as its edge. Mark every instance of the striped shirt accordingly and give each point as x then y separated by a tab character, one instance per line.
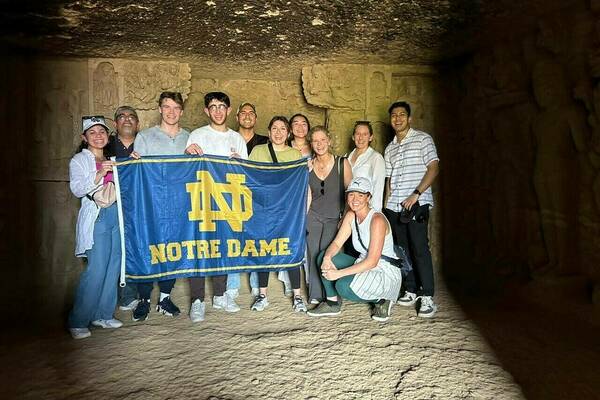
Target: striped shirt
406	164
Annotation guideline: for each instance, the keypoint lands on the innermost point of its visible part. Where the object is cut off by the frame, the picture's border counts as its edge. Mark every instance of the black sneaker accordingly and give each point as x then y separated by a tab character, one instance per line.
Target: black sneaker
167	307
382	310
141	311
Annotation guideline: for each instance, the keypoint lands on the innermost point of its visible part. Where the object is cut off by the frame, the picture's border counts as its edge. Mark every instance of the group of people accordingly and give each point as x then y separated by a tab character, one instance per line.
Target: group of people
364	204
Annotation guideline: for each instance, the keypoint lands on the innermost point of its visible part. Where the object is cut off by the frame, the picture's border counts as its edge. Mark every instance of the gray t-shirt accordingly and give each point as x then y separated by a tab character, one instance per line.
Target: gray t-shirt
155	142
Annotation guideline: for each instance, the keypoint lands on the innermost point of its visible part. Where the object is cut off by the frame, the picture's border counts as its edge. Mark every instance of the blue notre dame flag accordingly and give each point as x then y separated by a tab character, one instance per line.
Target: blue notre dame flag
196	216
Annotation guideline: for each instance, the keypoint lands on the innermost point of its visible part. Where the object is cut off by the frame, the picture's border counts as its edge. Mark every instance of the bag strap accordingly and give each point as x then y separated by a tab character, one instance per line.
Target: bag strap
272	151
358	233
383	256
340	165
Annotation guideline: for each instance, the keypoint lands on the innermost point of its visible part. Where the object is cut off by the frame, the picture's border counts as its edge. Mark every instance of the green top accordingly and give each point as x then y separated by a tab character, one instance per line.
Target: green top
261	153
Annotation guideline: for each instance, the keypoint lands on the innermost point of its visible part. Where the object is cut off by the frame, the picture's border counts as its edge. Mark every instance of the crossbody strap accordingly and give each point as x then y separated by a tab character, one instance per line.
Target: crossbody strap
383	256
272	151
340	166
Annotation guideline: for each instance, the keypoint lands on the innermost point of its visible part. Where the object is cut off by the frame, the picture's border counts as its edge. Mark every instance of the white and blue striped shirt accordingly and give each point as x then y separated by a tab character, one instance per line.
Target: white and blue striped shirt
406	164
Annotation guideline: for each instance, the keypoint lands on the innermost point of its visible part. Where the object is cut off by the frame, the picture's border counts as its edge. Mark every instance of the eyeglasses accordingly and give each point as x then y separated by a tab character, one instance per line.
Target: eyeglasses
123	117
322	187
220	107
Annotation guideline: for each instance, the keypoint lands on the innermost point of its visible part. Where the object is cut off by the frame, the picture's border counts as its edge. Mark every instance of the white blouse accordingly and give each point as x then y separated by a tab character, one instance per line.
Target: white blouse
82	173
371	164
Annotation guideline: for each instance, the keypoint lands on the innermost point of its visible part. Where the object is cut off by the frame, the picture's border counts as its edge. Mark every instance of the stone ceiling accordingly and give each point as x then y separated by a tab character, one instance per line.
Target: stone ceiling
250	31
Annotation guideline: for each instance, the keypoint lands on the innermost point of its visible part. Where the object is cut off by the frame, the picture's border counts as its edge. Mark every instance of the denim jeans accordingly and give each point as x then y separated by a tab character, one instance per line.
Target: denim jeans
128	293
340	287
96	295
254	280
233	281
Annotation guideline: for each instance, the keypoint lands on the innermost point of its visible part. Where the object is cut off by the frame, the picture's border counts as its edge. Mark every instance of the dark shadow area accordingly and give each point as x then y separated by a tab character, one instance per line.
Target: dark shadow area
502	162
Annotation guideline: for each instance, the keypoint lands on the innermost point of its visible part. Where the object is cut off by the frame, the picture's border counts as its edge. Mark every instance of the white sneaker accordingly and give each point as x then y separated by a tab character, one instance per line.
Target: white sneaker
427	308
260	303
80	333
197	311
225	303
408	299
298	304
107	323
129	306
255	292
233	293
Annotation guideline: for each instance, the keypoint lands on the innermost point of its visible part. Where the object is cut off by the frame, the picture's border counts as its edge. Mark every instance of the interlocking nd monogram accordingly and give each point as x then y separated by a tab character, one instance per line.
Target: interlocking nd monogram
206	188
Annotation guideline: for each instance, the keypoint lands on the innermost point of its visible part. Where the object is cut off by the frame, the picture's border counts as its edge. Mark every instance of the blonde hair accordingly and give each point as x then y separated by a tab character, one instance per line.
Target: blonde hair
318	128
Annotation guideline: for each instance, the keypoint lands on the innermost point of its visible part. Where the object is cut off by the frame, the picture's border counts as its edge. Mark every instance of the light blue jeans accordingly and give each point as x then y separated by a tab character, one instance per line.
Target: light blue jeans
254	280
96	295
233	282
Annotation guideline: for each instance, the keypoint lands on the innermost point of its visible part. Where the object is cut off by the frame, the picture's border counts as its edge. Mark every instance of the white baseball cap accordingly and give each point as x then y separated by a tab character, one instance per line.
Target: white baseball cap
91	120
360	184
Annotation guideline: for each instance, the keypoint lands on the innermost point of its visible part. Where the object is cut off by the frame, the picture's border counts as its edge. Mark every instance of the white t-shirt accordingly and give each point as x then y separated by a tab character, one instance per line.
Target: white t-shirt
217	143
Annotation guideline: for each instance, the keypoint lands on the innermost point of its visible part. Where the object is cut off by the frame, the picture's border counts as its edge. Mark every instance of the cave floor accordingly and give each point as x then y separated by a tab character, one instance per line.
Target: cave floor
276	354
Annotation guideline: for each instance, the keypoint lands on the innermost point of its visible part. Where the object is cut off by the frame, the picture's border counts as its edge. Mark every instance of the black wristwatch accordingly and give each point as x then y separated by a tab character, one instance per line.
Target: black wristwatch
416	191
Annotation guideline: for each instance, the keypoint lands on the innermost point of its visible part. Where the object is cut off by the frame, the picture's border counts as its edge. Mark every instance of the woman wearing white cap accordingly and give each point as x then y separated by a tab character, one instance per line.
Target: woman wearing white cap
373	276
97	232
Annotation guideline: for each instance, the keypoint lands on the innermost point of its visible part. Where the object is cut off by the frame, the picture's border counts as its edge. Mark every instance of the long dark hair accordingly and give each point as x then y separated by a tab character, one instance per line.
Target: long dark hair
287	126
106	150
291	137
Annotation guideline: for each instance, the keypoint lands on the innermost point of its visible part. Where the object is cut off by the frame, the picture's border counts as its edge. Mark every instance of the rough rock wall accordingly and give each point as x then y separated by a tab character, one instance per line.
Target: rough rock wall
47	98
524	190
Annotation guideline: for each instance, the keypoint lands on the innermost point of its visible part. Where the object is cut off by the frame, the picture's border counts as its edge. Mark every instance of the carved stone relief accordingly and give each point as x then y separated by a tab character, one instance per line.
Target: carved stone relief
115	82
105	89
339	87
59	104
527	153
270	98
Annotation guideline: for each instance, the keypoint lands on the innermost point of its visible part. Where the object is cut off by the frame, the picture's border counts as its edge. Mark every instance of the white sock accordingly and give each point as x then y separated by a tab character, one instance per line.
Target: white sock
163	296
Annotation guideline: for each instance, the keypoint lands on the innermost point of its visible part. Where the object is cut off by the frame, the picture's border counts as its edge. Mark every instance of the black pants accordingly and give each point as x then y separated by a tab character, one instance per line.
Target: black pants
413	239
263	278
197	286
145	288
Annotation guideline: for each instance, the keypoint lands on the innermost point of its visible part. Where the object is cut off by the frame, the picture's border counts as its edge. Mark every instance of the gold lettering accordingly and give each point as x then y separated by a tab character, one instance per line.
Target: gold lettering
268	247
189	248
157	253
284	249
250	247
202	249
233	248
174	251
214	248
206	189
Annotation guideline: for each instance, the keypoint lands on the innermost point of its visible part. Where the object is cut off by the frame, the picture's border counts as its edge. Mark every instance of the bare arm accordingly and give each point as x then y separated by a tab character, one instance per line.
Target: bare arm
377	233
344	232
386	192
433	168
347	173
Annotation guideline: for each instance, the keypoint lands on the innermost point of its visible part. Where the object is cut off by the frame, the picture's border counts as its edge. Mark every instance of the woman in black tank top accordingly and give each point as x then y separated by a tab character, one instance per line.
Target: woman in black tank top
328	180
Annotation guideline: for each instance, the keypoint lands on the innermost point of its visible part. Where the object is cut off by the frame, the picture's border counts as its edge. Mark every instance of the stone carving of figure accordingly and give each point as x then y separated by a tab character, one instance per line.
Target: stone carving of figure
560	133
105	88
56	107
513	200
